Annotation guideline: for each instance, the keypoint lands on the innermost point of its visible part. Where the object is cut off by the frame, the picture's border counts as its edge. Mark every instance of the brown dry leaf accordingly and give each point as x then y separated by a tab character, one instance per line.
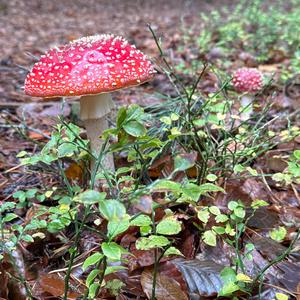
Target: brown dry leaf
298	291
54	285
166	287
38	136
75	171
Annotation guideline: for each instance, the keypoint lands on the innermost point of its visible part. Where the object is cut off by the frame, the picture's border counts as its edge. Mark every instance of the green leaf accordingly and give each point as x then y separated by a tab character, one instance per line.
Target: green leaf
113	251
211	177
9	217
280	296
183	162
203	215
90	197
116	227
168	226
93	288
153	241
112	210
209	238
113	269
232	205
134	128
214	210
166	185
122	113
192	191
210	187
259	203
221	218
278	234
66	150
92	260
27	238
296	154
218	229
228	276
141	220
172	251
92	276
239	212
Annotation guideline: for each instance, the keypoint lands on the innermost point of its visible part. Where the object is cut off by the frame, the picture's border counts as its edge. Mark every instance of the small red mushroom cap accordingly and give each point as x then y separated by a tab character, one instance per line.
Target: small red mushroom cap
90	65
248	80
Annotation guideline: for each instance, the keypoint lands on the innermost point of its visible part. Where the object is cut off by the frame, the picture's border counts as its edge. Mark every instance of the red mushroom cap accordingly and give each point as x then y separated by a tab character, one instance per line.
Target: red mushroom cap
248	80
89	65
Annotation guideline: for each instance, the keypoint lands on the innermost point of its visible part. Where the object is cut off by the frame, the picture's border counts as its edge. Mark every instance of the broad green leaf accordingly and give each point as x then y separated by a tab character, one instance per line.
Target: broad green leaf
278	234
203	215
153	241
183	162
243	277
221	218
92	276
90	197
232	205
134	128
115	227
113	251
211	177
9	217
93	288
66	150
141	220
210	187
166	185
214	210
113	269
92	260
218	229
168	226
259	203
209	238
172	251
112	210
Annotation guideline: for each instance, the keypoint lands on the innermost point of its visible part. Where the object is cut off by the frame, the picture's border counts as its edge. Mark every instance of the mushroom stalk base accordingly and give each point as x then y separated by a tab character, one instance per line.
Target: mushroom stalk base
93	112
246	106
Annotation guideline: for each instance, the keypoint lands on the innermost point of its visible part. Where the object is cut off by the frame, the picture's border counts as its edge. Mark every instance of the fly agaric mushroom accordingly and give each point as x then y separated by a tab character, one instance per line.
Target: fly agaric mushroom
248	81
90	67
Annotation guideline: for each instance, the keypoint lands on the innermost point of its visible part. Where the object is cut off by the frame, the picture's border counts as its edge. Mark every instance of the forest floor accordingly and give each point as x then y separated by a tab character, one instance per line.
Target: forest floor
29	28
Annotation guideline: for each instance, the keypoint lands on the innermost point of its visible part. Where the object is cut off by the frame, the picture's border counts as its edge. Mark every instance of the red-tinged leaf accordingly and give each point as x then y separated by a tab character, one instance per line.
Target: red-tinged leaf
166	287
54	285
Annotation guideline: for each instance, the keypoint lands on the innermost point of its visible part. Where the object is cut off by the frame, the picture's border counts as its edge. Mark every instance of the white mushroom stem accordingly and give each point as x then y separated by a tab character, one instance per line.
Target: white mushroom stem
246	106
93	112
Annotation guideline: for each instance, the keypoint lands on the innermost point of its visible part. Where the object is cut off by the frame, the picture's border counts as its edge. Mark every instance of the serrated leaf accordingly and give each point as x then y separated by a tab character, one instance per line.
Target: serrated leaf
115	227
203	215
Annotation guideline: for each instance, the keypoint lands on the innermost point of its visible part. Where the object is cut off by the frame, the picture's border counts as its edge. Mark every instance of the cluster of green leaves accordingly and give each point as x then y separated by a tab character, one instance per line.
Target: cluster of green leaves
230	224
254	27
292	172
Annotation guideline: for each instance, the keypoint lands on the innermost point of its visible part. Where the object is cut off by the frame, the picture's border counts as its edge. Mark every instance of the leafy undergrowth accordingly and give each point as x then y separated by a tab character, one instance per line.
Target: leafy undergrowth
202	202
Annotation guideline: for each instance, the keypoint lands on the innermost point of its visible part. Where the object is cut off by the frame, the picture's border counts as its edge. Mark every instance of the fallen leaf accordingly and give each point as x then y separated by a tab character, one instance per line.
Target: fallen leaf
166	287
